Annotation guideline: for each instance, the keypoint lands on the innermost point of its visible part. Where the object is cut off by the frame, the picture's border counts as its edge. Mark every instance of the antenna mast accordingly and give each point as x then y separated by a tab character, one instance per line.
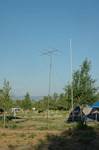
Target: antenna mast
71	62
49	53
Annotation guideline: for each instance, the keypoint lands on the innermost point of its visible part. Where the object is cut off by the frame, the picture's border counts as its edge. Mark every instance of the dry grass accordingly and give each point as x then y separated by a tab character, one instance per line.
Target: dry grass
25	134
33	134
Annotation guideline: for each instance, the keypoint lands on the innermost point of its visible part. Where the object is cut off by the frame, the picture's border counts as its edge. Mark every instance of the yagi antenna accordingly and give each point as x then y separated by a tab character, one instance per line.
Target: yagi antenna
49	53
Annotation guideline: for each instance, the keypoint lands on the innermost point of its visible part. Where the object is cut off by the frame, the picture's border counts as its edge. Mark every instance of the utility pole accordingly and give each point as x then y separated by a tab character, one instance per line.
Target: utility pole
71	62
49	53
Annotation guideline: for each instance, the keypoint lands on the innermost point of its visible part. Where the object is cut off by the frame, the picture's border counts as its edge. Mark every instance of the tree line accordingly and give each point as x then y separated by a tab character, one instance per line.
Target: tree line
85	92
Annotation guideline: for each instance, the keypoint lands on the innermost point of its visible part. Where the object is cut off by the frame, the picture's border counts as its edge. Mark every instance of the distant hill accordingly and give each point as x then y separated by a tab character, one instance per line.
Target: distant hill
32	97
36	97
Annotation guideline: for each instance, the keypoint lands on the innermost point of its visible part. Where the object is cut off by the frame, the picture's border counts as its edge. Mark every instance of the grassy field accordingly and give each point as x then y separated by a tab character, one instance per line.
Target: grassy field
39	121
35	132
26	132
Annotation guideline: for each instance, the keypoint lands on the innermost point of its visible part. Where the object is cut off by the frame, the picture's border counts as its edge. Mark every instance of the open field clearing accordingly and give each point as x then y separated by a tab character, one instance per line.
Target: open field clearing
38	121
36	133
33	127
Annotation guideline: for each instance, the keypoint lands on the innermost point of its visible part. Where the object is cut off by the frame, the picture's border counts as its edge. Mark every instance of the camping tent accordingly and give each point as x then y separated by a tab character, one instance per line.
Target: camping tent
94	114
95	105
76	115
87	110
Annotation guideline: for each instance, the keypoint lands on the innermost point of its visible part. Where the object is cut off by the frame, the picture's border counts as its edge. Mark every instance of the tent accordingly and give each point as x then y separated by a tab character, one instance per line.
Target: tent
94	114
76	115
87	110
95	105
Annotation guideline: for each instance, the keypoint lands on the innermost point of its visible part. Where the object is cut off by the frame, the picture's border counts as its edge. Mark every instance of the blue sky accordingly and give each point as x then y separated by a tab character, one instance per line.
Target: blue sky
27	27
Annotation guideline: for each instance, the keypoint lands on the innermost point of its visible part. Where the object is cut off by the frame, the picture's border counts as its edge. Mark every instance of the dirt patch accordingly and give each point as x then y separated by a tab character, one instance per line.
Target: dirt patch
22	139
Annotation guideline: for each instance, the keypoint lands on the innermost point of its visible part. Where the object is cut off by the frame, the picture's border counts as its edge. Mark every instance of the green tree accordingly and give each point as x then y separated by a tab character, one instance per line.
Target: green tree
43	104
1	99
18	103
61	102
83	85
55	96
27	103
6	95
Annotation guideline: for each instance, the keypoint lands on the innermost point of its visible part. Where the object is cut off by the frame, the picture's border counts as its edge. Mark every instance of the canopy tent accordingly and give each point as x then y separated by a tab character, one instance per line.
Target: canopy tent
94	114
95	105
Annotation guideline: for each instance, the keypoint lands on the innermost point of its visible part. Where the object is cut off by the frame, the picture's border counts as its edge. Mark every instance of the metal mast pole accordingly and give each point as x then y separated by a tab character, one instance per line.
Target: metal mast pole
49	90
71	62
50	53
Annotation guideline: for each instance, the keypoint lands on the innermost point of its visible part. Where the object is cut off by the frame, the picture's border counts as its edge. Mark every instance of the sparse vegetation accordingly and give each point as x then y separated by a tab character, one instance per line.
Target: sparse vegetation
34	130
